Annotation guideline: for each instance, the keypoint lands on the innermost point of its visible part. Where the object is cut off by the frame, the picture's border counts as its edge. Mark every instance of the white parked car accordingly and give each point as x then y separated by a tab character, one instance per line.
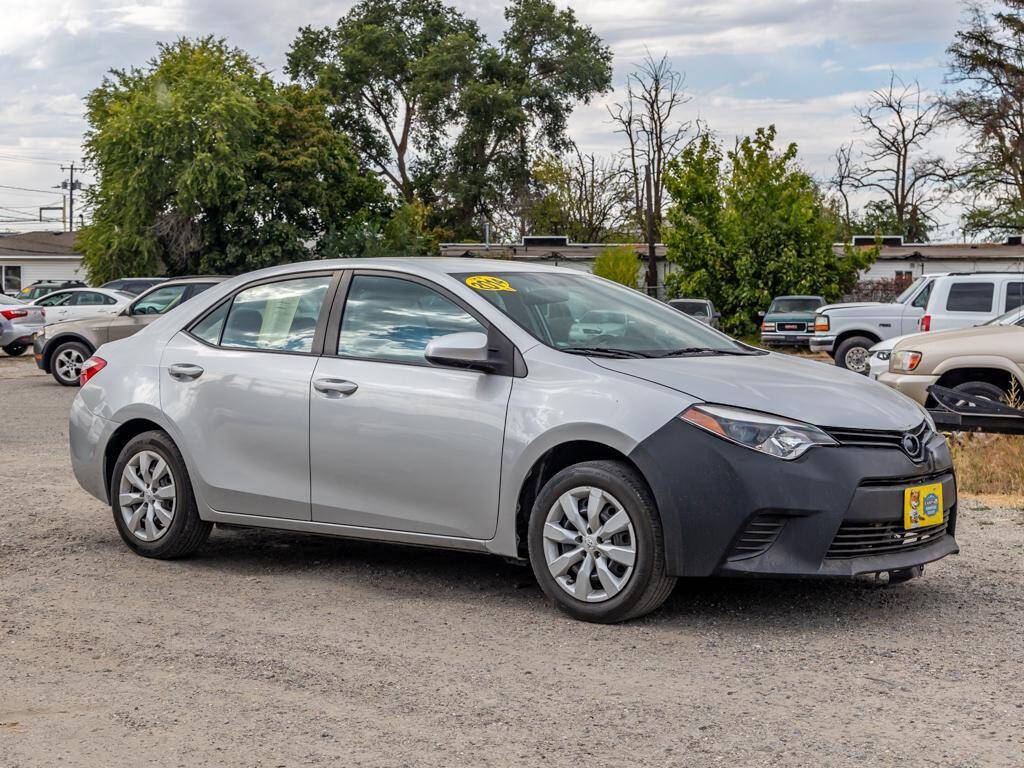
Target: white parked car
937	302
79	303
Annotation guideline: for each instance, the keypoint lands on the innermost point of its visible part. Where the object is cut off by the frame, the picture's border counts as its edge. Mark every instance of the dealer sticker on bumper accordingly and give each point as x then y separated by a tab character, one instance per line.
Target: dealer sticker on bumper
922	506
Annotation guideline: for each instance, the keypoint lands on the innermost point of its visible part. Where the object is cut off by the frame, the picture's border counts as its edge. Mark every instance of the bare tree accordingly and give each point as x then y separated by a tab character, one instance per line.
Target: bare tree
898	123
842	182
649	119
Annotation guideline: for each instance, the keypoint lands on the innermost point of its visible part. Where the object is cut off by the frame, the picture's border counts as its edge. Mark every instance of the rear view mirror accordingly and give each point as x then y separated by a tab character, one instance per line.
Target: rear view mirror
460	350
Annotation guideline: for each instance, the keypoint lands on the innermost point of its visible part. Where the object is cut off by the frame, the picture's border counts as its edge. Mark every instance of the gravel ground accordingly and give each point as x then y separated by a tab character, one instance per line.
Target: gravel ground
277	649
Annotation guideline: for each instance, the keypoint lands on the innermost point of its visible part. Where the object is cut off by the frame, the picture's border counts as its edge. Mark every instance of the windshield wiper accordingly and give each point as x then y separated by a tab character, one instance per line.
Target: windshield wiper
602	351
695	351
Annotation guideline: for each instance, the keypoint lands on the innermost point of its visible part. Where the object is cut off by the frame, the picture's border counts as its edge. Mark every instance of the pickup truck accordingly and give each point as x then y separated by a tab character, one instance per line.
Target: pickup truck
931	303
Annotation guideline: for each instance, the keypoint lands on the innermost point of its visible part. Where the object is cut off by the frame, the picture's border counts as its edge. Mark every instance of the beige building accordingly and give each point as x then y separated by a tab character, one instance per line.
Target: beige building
31	256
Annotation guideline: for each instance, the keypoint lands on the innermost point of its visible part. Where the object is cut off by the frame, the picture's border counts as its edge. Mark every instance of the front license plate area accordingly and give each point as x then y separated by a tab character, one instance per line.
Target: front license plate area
922	506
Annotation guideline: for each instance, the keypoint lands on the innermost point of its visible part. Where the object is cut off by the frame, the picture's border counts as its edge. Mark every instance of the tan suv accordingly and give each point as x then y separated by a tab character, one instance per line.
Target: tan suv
61	348
982	361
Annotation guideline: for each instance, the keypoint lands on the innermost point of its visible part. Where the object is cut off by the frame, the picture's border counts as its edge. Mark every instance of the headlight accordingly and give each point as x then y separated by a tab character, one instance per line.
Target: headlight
883	354
904	361
763	432
767	326
821	323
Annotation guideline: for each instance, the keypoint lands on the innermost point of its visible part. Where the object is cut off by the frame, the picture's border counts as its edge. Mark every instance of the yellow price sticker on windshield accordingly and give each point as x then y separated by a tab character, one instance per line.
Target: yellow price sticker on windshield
489	283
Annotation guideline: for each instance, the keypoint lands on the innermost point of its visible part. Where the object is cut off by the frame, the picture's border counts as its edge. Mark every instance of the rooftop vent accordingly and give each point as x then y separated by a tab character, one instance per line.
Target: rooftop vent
893	241
546	240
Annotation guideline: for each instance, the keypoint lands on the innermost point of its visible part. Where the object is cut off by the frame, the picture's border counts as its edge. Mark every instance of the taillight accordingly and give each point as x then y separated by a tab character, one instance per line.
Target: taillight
926	323
10	314
90	368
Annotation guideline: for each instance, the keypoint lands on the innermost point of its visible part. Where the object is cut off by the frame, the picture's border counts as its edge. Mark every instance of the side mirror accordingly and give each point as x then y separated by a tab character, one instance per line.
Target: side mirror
760	317
460	350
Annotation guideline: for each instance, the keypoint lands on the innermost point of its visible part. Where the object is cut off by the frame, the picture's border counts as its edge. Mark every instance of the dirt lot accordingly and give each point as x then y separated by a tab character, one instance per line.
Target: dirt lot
274	649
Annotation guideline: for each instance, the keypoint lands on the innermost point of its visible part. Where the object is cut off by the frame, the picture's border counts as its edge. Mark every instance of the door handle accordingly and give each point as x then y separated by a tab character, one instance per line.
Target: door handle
332	387
185	371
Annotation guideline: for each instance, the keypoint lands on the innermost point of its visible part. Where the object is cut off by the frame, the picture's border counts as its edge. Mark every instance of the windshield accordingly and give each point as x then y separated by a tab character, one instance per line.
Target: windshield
1007	318
579	313
795	304
910	290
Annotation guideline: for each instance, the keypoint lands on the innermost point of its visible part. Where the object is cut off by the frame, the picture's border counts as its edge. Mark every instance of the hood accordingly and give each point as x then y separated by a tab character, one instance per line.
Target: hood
886	345
804	390
791	317
979	334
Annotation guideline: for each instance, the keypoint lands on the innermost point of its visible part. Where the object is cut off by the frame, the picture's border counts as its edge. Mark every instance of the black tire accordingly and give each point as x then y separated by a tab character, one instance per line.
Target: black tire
853	344
68	347
15	349
983	389
648	586
186	532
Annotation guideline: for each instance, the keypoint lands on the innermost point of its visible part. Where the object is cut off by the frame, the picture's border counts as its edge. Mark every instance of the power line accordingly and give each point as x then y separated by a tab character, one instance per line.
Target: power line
28	189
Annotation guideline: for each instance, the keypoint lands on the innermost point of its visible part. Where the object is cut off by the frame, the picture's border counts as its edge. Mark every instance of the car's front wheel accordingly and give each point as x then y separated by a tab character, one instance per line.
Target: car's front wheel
66	362
852	354
596	543
151	496
15	349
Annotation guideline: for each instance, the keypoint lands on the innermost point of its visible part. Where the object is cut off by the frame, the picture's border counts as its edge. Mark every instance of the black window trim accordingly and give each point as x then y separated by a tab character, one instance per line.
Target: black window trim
508	358
316	349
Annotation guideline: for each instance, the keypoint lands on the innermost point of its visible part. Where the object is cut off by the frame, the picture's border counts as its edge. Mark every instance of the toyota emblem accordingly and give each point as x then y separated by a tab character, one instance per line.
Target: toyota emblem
911	445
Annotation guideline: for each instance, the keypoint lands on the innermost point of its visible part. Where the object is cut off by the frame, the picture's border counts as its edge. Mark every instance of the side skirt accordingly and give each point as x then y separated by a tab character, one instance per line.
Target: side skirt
345	531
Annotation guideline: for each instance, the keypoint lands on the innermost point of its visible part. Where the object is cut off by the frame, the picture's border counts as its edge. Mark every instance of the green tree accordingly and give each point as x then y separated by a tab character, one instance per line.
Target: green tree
205	165
986	68
449	118
618	263
750	228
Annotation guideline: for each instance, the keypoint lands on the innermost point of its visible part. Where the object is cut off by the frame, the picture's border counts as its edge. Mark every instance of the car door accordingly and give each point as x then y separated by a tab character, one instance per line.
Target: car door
236	386
395	442
85	304
914	310
56	305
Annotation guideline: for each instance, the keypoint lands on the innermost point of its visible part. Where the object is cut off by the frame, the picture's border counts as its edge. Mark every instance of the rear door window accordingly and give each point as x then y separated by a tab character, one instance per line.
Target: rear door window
970	297
90	299
279	316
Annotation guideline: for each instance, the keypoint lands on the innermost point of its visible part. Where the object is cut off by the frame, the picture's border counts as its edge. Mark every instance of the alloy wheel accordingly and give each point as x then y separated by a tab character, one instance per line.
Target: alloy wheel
147	496
589	544
68	364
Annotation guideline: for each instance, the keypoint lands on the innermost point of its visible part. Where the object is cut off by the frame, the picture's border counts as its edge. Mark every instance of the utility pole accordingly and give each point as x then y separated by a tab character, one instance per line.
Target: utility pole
71	185
652	259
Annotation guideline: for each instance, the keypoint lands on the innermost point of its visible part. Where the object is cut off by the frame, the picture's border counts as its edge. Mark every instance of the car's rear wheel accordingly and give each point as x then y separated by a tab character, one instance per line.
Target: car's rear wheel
15	349
151	496
596	545
852	354
66	362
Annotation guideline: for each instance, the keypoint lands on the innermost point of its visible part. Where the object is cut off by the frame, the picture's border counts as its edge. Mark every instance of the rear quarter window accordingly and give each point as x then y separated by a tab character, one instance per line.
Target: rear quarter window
970	297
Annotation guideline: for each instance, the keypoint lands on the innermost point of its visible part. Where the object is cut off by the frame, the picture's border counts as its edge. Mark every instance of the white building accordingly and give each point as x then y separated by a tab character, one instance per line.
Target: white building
31	256
910	260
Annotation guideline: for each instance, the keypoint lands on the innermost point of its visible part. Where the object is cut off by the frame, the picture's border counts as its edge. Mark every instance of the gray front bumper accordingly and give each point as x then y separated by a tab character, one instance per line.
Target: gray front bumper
822	343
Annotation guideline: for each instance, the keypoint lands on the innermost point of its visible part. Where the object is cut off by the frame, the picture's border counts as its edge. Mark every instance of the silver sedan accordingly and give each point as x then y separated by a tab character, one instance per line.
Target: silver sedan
459	403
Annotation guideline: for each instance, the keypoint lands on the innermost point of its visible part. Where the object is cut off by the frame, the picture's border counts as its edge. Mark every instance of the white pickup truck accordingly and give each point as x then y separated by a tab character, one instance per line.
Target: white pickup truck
932	303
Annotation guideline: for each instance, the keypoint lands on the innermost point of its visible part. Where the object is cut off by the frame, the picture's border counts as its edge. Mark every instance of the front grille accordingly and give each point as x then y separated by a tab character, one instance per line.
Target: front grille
791	327
760	533
912	442
861	538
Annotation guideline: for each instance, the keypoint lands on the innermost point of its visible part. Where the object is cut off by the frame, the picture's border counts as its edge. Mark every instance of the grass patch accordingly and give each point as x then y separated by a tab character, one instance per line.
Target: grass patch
988	464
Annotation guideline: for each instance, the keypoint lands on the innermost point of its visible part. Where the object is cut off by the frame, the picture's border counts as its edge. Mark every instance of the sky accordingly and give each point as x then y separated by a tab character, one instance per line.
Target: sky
802	65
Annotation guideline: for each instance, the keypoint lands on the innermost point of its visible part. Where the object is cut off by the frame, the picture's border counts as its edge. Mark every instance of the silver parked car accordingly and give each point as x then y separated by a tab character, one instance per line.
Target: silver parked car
18	321
449	403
